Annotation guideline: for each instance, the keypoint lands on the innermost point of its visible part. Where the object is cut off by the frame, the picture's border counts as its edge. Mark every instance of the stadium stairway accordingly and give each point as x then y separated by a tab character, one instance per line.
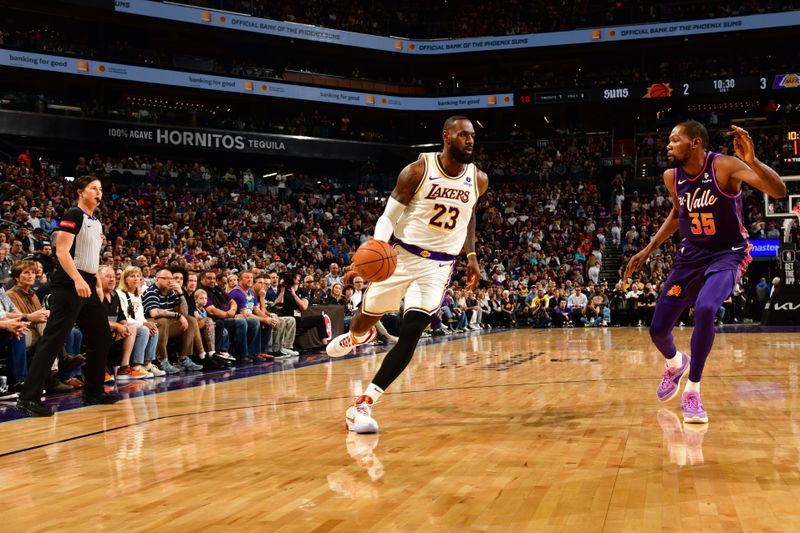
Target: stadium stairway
612	259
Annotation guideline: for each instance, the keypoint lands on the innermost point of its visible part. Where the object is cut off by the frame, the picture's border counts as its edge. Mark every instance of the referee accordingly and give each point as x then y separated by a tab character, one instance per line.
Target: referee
74	299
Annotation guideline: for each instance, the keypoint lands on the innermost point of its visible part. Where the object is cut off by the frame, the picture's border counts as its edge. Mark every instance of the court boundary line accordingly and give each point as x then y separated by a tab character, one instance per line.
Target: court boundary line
329	398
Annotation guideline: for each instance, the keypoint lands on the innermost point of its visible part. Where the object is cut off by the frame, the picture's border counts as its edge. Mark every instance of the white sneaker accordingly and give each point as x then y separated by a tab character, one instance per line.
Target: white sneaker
359	416
391	338
344	343
226	356
150	368
288	352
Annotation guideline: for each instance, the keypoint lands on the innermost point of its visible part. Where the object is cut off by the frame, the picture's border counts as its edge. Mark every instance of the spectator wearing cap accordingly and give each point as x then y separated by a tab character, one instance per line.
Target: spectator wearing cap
33	218
38	239
313	293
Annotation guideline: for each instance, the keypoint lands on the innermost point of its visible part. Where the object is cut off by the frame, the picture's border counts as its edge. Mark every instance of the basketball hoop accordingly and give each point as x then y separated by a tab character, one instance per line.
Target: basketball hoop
788	222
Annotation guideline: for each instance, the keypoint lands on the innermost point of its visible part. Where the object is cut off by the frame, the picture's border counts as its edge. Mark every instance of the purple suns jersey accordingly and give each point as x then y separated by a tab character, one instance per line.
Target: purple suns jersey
707	216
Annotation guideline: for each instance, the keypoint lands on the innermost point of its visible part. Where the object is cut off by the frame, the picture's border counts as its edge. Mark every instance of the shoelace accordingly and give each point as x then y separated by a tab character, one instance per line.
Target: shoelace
666	380
363	409
693	402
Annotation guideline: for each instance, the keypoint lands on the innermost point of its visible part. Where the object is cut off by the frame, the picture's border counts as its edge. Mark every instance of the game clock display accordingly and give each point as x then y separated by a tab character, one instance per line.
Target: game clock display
792	147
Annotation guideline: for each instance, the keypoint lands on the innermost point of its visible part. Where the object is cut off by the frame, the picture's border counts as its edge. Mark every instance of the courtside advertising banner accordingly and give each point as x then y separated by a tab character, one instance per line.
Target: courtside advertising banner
212	82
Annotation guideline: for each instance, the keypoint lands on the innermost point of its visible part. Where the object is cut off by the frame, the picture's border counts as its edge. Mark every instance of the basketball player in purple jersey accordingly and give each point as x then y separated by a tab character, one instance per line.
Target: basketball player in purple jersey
714	253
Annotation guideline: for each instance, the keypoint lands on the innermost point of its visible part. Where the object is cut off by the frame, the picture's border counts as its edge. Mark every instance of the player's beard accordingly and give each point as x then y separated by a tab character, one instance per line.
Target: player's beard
461	156
677	163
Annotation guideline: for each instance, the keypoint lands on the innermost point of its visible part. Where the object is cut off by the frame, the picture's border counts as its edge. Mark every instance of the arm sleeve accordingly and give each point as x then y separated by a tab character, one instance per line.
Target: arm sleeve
384	227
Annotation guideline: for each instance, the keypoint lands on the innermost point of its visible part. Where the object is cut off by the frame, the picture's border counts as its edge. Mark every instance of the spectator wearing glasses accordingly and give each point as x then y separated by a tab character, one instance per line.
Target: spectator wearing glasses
163	301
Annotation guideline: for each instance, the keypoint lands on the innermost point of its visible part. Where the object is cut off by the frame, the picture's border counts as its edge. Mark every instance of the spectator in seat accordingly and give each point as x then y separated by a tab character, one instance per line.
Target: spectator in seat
294	301
334	274
577	306
167	306
13	330
25	300
561	315
283	327
124	334
508	310
259	328
223	309
129	291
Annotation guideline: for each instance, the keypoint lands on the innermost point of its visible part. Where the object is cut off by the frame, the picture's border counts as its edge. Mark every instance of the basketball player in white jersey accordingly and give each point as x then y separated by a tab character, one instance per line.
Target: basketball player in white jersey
431	214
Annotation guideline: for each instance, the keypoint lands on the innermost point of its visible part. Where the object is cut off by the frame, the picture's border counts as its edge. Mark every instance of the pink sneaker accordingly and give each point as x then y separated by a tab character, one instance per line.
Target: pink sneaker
671	380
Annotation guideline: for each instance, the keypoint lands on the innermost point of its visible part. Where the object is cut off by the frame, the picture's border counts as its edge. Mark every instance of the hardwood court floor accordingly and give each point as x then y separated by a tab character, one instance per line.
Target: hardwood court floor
524	430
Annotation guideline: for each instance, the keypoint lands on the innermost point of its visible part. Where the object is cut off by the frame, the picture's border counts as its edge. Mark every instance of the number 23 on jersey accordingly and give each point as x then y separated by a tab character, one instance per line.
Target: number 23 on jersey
444	217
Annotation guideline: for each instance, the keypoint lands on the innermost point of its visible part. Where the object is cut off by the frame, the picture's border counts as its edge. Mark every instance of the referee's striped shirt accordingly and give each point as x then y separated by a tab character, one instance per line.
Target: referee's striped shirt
86	247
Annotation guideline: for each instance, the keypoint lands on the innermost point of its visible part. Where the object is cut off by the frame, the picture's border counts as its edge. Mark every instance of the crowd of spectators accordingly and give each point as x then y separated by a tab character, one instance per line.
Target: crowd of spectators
219	243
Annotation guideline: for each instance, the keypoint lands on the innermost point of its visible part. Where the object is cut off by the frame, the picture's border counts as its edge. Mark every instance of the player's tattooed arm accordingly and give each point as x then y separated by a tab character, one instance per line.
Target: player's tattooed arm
408	181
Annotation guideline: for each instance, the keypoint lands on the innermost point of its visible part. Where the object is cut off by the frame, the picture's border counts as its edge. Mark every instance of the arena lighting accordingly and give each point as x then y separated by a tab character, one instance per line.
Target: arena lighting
478	122
269	175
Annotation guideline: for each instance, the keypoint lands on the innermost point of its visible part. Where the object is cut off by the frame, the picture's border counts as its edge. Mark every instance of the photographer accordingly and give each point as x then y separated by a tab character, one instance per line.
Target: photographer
294	301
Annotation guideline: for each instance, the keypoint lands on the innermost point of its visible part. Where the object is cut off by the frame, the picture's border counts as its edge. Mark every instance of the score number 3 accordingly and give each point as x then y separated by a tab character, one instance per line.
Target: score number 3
441	211
703	223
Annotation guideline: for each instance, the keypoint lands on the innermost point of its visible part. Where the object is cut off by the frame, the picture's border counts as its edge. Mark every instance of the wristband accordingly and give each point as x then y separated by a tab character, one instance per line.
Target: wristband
472	253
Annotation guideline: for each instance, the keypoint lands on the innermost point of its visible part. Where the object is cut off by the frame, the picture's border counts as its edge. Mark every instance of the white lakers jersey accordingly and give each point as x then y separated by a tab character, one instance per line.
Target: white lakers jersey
438	215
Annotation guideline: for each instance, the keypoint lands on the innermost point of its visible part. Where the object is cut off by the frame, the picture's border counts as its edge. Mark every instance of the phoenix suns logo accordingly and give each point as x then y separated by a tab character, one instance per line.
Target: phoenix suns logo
675	290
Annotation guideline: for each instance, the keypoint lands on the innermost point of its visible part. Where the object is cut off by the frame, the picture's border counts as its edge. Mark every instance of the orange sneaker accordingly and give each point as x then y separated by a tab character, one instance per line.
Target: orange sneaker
127	373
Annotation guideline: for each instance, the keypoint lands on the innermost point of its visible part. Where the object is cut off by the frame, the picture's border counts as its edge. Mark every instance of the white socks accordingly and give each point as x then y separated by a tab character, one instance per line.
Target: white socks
691	386
676	361
374	392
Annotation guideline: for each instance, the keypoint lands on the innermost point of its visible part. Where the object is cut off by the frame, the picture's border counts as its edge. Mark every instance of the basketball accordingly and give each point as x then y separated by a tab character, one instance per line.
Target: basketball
375	260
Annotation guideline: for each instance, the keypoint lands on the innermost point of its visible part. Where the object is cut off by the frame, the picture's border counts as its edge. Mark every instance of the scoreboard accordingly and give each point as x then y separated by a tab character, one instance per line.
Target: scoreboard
722	85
